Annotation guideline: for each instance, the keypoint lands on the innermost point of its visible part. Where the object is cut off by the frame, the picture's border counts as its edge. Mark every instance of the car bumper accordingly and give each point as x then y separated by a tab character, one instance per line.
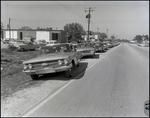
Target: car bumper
99	49
88	54
47	70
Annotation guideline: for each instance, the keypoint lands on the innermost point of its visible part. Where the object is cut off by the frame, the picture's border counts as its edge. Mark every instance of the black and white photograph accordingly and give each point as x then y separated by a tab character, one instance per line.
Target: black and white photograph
74	58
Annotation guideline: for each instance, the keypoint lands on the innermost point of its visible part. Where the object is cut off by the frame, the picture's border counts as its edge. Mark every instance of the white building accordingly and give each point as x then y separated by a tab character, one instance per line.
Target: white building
47	35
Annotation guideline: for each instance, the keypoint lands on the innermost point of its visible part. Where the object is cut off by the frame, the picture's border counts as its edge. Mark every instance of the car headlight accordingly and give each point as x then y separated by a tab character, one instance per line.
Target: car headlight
25	67
30	66
66	61
60	62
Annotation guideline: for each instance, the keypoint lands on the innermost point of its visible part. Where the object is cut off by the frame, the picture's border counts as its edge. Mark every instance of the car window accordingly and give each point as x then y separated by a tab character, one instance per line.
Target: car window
55	49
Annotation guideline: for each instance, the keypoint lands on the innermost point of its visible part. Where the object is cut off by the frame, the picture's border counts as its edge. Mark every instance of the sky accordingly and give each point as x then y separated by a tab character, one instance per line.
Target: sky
124	19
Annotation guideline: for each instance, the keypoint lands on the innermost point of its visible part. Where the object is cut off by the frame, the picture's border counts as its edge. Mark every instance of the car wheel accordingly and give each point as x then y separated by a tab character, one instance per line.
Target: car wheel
77	65
93	55
34	77
69	73
22	49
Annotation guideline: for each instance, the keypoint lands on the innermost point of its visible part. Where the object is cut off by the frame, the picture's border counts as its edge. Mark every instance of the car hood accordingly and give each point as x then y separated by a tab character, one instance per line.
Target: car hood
85	49
49	57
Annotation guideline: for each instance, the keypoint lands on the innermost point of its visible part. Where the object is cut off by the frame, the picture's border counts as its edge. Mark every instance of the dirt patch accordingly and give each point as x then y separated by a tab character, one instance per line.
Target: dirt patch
12	77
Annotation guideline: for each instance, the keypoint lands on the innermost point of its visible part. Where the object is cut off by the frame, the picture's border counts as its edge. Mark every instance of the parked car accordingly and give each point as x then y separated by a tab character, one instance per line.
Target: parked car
12	43
52	59
99	46
105	46
139	44
143	44
23	45
41	42
52	42
86	49
6	40
110	44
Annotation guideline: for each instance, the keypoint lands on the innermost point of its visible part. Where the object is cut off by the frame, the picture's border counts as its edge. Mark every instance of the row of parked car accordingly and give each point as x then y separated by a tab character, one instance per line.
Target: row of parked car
62	57
22	45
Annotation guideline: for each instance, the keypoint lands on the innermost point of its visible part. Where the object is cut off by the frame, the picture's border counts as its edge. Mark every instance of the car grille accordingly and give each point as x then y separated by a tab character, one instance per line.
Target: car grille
39	65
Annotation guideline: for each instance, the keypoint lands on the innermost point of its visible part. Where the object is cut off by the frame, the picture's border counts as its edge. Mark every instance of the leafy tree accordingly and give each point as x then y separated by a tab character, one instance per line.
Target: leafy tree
103	35
48	28
138	38
112	37
75	31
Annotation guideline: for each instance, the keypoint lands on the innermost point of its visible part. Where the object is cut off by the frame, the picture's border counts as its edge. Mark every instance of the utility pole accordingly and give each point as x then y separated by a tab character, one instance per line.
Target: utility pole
9	30
107	33
89	16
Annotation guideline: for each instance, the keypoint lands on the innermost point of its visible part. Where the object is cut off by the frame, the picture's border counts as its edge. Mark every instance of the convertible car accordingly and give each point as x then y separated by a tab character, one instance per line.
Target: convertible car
52	59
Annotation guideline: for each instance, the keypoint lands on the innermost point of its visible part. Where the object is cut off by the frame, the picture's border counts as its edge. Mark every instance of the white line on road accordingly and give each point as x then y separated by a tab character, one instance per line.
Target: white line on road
140	56
135	52
51	96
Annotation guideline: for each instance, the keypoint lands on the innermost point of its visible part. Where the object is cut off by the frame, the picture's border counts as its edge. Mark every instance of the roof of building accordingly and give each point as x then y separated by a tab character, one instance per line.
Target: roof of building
30	30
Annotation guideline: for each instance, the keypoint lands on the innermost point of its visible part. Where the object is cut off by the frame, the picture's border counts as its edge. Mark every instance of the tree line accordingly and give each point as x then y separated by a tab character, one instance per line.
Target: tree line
140	38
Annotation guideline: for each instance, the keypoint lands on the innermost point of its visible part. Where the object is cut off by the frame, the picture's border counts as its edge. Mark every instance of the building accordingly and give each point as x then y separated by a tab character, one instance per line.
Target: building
94	36
47	35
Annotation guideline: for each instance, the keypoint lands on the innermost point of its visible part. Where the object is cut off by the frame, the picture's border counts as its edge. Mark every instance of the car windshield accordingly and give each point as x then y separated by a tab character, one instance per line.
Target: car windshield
55	49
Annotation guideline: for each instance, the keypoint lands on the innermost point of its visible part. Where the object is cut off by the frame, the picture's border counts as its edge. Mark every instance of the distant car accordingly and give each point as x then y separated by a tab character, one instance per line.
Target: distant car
139	44
41	42
144	44
86	49
52	59
6	41
23	45
99	46
110	45
52	42
105	46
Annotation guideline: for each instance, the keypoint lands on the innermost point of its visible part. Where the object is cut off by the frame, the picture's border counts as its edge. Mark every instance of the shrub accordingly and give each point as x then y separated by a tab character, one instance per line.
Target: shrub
7	50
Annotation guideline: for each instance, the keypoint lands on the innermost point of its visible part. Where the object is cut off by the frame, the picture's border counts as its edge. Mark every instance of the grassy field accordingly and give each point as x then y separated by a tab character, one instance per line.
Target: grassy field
12	77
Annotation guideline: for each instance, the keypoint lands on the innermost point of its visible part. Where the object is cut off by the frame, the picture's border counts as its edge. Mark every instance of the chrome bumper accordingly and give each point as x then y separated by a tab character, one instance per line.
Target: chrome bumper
88	54
47	70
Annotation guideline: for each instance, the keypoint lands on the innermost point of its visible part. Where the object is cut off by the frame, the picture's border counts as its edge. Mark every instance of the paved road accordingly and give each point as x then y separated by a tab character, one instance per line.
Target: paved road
115	83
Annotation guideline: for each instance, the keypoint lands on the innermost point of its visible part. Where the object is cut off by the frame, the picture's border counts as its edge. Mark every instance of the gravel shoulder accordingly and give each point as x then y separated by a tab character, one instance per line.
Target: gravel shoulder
21	101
